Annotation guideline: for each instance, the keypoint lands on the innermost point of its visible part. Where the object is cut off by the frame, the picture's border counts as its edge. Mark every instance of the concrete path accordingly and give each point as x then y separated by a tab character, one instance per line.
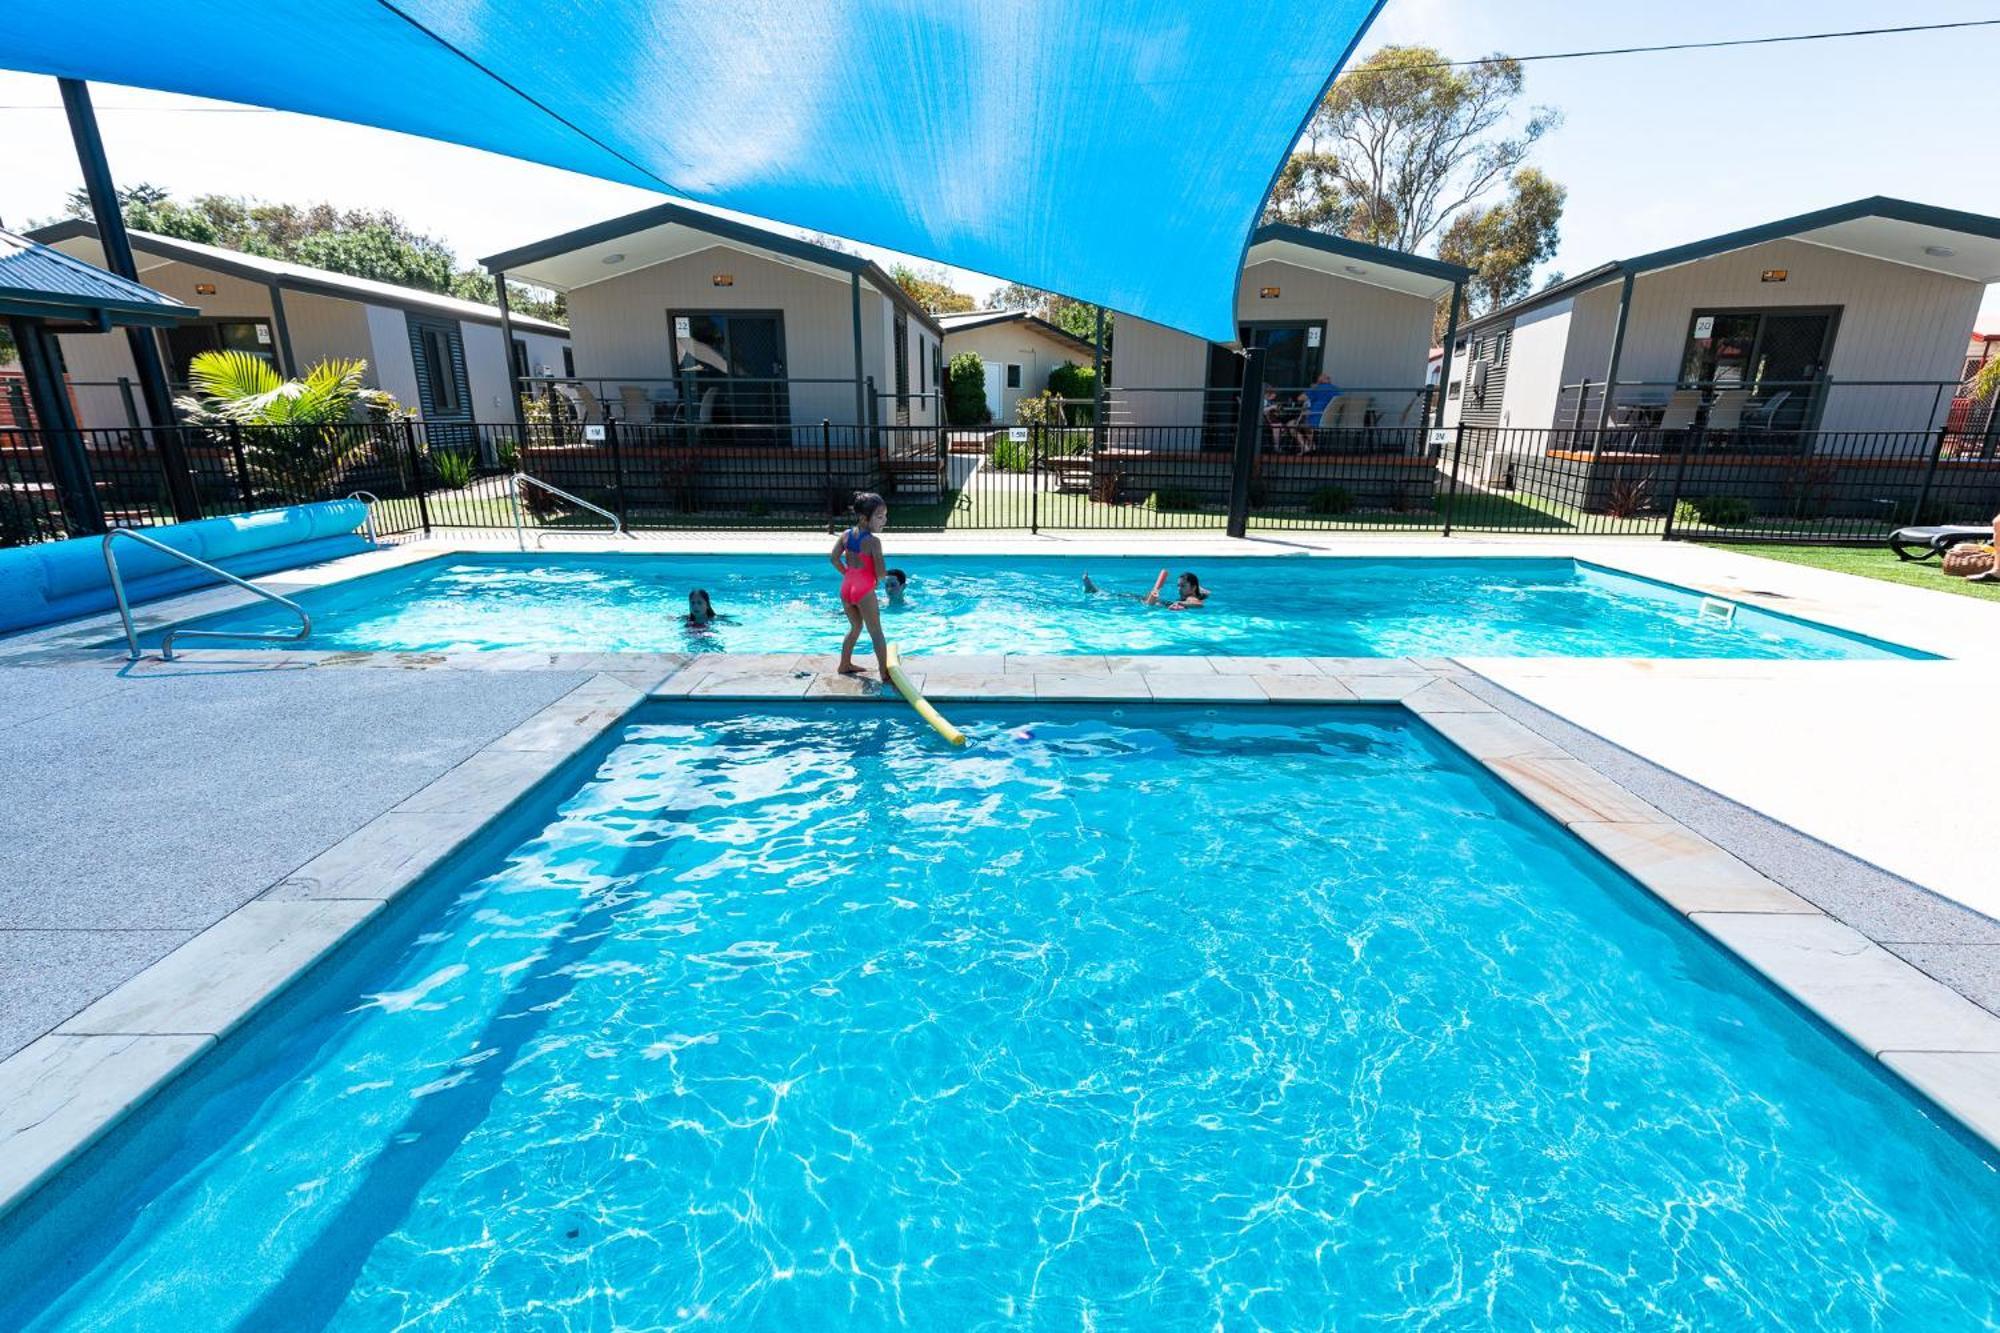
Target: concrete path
144	805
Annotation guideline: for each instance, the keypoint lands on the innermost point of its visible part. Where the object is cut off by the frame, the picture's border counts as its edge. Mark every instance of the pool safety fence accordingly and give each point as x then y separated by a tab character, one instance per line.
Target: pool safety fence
1069	469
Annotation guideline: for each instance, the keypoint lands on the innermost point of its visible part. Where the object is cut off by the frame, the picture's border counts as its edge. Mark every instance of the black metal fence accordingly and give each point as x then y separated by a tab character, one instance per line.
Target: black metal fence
1388	472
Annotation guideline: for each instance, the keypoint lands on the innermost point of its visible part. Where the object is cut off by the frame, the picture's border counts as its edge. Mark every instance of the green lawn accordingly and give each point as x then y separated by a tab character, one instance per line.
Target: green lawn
1872	563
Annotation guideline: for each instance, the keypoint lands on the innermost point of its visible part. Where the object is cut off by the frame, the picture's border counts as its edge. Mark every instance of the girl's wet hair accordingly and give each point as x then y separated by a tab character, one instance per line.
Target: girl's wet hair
866	503
1190	577
700	597
897	575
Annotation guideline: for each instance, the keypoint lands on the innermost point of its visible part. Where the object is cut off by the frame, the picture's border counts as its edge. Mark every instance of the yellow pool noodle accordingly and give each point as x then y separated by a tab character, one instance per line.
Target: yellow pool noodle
892	662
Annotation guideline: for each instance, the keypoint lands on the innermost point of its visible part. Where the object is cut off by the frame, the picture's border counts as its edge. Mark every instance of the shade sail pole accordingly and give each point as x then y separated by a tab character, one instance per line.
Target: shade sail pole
118	258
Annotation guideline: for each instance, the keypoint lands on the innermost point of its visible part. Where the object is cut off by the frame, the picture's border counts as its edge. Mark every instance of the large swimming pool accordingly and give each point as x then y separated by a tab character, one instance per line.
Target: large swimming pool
1294	606
1176	1018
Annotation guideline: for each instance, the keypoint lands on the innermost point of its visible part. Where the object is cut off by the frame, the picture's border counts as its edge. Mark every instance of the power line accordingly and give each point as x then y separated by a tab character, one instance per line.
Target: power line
1707	46
1428	64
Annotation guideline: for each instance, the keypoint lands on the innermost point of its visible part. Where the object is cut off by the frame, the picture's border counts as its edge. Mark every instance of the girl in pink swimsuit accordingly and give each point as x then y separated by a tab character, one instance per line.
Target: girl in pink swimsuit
857	555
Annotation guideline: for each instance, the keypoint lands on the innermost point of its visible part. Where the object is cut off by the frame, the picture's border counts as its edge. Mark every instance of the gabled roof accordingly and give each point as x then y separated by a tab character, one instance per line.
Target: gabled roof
672	231
1897	231
40	282
297	277
1357	261
968	320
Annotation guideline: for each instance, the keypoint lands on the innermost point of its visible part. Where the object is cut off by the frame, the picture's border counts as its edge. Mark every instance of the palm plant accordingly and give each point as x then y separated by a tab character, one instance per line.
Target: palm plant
298	435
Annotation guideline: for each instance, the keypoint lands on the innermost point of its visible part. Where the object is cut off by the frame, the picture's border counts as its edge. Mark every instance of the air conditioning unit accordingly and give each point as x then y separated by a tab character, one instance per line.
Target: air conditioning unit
1475	379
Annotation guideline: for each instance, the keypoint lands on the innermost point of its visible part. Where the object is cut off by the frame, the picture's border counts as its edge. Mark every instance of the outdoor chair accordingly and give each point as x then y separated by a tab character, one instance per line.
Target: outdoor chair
1759	416
1677	417
1346	420
1725	414
1928	543
635	406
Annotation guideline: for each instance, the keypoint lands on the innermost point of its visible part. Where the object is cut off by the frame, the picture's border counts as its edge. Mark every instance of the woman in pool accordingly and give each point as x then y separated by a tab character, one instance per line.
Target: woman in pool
857	554
1190	595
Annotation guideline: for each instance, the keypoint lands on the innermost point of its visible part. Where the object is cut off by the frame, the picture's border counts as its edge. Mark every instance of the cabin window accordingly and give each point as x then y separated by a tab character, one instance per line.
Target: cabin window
1013	375
520	358
734	360
900	327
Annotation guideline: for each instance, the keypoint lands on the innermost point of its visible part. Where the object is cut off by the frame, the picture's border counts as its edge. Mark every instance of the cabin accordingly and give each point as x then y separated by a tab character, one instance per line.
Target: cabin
443	356
681	317
1018	349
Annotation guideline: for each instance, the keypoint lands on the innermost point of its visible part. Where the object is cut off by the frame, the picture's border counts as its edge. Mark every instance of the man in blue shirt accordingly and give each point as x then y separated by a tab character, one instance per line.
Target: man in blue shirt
1323	392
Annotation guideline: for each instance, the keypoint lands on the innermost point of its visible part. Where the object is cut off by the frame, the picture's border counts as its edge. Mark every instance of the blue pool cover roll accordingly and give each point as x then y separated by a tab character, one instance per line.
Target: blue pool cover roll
1114	150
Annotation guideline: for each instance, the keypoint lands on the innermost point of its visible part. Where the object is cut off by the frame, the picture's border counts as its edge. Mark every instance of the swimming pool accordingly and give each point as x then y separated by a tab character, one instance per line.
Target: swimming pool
1178	1017
1290	606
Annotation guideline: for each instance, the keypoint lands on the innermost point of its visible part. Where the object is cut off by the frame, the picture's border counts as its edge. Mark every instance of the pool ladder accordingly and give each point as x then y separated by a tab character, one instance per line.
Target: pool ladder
167	643
520	527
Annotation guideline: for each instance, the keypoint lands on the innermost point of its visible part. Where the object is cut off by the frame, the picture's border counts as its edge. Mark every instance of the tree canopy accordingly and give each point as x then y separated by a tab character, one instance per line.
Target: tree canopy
1076	318
932	290
1403	150
363	243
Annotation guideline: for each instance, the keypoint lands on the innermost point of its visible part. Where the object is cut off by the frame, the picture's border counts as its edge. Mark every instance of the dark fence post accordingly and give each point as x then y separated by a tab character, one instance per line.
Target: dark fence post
1249	402
244	488
1930	474
131	404
1680	475
1035	478
827	492
1457	461
617	466
417	473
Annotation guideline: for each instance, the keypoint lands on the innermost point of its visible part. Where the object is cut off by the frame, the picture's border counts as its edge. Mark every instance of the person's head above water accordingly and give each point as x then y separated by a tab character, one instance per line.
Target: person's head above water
700	608
871	511
1190	586
896	579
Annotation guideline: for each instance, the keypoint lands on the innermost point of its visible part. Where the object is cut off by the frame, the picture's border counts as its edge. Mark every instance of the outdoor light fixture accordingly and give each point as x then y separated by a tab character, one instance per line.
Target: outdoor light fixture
614	259
1356	269
204	289
1267	293
722	280
1939	251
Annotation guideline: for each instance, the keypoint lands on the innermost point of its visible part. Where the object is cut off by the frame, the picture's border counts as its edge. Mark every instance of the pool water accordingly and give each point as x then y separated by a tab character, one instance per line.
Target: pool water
1291	606
1170	1018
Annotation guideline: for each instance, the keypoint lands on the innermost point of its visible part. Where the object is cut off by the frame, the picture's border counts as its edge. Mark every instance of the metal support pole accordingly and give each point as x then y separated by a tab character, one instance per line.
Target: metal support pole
1097	385
860	369
1249	406
1930	475
244	489
288	365
1617	354
1450	338
132	417
56	429
520	412
417	473
1035	477
117	246
1457	461
617	453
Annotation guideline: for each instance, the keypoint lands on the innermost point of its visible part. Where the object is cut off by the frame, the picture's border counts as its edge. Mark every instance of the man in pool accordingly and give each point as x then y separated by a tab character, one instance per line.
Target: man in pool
1190	596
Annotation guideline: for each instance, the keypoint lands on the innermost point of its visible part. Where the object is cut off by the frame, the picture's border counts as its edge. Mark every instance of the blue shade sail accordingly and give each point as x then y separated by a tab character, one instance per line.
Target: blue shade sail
1114	150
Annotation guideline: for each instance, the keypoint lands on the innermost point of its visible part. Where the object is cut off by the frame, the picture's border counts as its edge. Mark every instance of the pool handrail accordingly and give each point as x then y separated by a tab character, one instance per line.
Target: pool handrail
520	531
368	502
167	643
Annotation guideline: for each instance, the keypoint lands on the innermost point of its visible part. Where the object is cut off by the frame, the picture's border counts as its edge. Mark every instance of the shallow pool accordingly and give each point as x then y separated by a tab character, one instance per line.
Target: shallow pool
1168	1018
1293	606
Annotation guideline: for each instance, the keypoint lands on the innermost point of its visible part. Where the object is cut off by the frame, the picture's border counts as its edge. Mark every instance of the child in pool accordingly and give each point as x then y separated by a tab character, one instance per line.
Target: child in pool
1190	595
893	583
702	613
857	555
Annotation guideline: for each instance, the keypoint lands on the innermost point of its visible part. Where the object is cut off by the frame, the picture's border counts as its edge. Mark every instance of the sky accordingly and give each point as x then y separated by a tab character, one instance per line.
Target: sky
1655	149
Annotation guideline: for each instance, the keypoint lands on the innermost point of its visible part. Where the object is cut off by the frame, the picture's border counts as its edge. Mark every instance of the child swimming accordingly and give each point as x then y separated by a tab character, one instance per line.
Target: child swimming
857	555
1190	595
893	583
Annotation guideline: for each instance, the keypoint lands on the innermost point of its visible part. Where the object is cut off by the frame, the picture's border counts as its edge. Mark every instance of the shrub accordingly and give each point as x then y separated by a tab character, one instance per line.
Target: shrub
1716	511
1330	500
1629	497
1173	500
965	394
453	469
1069	380
1013	455
508	454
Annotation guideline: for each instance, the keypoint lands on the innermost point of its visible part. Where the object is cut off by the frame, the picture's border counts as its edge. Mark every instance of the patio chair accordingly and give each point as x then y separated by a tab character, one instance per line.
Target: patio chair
1347	417
634	403
1725	414
1677	417
1759	416
1933	541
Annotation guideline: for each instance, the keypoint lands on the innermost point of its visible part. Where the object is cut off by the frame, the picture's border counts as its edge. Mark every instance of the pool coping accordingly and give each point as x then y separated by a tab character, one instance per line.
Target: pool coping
64	1091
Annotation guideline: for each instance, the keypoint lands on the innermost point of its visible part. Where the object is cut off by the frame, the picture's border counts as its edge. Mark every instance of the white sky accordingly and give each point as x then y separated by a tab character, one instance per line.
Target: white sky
1656	149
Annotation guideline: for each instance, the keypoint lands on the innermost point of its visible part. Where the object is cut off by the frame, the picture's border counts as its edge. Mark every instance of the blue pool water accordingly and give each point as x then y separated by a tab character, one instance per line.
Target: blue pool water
1171	1018
1338	607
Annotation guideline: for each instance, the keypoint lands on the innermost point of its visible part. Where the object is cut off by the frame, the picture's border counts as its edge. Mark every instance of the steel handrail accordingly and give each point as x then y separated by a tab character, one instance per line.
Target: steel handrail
520	530
368	502
167	643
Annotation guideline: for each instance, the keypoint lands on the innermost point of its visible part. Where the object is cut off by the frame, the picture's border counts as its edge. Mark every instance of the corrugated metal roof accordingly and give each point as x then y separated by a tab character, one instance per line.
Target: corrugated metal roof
55	284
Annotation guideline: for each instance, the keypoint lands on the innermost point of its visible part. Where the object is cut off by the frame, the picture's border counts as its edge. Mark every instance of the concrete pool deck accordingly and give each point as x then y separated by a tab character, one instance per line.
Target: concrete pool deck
183	755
